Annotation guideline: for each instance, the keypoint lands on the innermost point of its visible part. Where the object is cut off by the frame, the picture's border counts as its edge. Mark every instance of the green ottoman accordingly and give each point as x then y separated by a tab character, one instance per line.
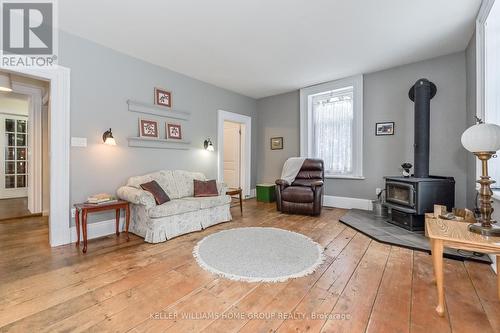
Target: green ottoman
266	192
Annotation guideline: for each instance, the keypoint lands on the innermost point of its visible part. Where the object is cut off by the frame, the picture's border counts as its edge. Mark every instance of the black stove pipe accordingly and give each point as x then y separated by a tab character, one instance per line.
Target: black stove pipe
421	93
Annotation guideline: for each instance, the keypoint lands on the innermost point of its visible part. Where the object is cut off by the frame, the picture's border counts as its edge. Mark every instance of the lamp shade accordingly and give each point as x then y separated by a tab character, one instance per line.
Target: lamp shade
482	138
108	138
110	141
5	83
208	145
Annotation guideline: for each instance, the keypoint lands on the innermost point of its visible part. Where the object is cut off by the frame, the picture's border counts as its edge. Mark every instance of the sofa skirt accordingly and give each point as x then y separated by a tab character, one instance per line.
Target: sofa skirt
165	228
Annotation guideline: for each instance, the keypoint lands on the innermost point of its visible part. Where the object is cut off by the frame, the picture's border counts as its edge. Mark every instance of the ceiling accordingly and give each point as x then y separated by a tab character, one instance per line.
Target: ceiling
265	47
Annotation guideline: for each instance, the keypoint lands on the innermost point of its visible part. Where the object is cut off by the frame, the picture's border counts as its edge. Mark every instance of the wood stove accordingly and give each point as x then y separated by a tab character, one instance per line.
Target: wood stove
409	198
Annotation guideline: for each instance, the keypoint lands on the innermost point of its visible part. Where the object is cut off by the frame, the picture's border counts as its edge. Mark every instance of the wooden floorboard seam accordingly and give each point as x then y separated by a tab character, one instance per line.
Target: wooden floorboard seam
315	282
411	291
378	289
350	276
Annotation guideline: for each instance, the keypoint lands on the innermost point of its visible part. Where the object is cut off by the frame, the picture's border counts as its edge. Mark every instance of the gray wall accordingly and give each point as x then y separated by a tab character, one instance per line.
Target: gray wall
470	56
278	116
385	99
101	82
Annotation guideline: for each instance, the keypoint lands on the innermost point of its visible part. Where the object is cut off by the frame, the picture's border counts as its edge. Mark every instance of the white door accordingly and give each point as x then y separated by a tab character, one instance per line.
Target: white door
232	154
13	156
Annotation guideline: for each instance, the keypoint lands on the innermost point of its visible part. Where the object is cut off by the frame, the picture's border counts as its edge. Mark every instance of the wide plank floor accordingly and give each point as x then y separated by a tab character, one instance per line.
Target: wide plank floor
121	286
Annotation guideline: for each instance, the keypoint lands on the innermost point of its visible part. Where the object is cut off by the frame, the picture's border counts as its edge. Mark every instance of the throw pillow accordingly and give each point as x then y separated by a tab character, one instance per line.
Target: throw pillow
206	188
155	189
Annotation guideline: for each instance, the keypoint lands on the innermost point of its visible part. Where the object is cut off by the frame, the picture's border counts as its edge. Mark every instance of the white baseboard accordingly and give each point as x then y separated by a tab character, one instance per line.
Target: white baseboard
345	202
98	229
253	193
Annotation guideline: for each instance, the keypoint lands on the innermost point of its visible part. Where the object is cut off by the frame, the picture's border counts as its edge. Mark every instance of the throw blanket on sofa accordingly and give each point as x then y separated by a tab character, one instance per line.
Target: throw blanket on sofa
291	168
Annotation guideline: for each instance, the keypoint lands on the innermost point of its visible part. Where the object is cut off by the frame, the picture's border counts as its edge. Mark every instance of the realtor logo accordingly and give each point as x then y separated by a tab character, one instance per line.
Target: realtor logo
28	33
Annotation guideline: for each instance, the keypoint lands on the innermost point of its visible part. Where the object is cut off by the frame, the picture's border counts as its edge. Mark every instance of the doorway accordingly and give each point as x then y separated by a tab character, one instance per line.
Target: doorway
23	159
234	150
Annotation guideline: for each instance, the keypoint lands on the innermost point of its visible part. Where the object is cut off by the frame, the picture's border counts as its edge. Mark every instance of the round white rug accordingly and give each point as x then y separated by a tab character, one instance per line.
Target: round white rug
258	254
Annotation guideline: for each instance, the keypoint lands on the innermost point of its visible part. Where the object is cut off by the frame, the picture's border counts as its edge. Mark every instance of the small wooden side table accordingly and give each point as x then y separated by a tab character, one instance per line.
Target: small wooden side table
85	209
238	192
454	234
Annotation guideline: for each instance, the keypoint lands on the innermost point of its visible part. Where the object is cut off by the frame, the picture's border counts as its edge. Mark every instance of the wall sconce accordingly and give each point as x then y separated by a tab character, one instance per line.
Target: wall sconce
208	145
108	138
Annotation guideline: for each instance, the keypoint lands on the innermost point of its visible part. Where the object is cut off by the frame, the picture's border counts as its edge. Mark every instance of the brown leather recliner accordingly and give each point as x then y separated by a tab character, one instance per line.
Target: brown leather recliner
305	194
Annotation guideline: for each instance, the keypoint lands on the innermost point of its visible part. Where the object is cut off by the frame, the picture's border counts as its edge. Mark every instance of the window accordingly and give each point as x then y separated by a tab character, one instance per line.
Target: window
489	74
15	153
332	126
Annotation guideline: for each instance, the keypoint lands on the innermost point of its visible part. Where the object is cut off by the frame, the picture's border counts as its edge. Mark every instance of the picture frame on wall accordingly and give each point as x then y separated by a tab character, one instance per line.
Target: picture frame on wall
277	143
163	97
386	128
174	131
148	129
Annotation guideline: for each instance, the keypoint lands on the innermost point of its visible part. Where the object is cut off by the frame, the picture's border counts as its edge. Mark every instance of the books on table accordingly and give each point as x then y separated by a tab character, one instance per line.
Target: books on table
101	198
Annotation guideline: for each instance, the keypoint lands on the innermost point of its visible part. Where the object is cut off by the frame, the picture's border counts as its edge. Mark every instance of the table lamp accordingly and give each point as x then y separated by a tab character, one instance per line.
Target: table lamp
483	140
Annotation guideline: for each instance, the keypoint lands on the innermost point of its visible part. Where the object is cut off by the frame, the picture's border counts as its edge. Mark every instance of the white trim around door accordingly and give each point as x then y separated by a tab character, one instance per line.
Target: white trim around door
34	144
59	77
247	161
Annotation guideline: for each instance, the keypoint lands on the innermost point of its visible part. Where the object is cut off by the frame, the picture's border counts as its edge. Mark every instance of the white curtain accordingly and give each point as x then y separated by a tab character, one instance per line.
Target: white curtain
333	133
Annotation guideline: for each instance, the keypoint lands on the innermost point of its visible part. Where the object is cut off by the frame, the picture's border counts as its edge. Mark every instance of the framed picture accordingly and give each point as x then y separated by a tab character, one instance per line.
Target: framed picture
277	143
174	131
163	97
148	129
384	128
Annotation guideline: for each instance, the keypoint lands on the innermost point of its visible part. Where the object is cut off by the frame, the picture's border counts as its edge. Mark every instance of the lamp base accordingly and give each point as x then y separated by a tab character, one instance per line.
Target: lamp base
478	228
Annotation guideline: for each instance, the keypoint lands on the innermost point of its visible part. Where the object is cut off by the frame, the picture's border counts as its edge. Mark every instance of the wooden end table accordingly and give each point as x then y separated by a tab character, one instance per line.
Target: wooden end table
454	234
238	192
85	209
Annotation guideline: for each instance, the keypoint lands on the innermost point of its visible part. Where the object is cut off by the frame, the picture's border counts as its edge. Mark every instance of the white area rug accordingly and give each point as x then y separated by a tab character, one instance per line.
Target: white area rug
258	254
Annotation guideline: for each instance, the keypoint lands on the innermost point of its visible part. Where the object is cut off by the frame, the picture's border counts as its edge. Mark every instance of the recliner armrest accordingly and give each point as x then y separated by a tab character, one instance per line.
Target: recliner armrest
317	183
282	182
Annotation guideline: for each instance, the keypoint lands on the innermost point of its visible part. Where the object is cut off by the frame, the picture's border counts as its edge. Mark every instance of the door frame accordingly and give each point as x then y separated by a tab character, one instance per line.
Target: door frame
59	147
246	151
34	144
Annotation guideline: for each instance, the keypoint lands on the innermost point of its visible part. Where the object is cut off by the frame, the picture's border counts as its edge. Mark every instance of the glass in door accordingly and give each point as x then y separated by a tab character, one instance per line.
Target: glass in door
15	157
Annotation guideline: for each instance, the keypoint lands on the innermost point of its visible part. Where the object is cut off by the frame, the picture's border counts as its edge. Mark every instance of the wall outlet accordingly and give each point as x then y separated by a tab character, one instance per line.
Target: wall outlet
73	212
378	190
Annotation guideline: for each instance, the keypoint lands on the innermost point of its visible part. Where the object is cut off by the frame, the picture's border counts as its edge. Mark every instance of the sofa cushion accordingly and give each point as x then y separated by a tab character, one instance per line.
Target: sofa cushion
164	178
167	183
209	202
207	188
173	207
184	182
300	194
158	193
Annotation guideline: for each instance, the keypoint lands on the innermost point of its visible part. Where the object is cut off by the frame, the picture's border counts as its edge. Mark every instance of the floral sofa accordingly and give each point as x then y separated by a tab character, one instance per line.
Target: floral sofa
182	214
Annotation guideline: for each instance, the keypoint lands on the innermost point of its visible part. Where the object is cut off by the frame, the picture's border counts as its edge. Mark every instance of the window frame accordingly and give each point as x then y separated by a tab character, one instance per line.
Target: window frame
306	131
481	61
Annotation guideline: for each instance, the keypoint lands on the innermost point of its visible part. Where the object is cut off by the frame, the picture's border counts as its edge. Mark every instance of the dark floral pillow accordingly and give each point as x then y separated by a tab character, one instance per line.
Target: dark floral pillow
158	193
205	188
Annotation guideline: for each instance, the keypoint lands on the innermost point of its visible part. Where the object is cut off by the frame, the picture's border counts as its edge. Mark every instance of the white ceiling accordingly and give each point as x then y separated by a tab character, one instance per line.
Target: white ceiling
265	47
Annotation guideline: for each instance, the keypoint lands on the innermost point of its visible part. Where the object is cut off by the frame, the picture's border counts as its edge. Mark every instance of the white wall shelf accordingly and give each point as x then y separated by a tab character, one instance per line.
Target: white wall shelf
139	142
156	110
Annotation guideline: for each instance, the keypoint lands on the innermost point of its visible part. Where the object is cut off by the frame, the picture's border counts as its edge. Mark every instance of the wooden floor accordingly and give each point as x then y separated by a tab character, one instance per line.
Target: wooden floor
13	208
120	286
